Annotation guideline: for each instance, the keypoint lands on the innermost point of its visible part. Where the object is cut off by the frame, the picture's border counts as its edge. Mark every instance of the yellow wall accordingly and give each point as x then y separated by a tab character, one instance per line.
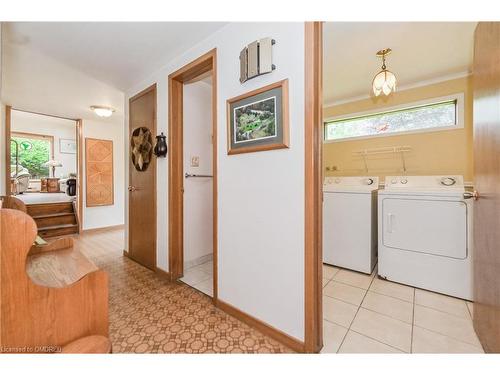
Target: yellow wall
440	152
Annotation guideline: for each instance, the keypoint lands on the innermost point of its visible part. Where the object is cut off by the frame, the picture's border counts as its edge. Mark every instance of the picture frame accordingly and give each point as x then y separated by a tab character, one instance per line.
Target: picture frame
258	120
67	146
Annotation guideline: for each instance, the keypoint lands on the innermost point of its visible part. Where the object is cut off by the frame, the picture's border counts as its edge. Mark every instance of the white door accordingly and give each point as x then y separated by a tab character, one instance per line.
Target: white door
437	227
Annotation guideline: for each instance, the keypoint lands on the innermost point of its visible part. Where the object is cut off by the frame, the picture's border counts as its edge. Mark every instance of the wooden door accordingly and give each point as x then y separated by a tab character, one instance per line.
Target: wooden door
142	181
486	76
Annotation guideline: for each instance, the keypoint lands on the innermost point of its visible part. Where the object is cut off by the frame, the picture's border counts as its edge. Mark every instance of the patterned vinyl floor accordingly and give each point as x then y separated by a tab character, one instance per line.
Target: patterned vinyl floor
151	315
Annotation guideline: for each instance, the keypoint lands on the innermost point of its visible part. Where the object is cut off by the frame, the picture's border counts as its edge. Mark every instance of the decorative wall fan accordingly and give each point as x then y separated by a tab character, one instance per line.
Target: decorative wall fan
141	145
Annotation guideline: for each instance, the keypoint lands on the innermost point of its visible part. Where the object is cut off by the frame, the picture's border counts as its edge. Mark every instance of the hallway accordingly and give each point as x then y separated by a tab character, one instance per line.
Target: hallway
151	315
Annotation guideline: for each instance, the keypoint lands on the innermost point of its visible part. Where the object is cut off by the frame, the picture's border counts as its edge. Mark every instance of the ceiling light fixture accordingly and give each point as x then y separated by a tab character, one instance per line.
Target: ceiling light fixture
385	80
102	111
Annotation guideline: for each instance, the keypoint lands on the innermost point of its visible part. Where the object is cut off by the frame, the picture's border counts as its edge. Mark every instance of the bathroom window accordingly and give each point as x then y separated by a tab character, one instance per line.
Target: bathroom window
438	114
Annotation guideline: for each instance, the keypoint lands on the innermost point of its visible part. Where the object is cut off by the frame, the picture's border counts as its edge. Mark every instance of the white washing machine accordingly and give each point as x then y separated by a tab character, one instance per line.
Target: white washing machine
350	222
425	233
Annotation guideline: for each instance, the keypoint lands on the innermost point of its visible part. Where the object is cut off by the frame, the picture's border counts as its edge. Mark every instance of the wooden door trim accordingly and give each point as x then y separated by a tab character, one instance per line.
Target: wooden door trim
176	80
79	176
79	155
153	165
8	114
313	336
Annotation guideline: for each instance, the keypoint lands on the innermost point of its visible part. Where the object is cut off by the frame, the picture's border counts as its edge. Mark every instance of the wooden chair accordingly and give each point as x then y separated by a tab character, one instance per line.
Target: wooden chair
51	295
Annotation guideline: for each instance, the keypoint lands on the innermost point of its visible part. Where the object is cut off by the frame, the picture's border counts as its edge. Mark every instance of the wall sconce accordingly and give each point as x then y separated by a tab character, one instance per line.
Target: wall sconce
161	149
256	59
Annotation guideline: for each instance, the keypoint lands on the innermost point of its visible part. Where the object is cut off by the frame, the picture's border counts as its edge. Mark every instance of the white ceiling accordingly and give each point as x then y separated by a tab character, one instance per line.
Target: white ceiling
421	51
33	81
118	53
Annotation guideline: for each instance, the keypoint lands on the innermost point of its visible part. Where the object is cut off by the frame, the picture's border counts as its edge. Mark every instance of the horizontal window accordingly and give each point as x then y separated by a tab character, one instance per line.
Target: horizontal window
437	115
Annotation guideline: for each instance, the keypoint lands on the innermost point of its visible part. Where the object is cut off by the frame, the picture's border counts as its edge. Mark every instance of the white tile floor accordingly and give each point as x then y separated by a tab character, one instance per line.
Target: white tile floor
200	277
364	314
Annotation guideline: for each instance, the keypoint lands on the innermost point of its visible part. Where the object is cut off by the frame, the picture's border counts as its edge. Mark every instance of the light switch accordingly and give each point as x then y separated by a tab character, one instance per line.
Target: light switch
195	161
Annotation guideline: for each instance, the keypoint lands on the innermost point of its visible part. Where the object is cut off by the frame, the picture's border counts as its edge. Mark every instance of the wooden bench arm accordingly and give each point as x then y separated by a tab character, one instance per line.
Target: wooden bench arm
59	244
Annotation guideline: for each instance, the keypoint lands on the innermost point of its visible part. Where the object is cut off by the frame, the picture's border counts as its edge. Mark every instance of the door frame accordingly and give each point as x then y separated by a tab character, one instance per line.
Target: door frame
204	64
152	165
79	156
313	140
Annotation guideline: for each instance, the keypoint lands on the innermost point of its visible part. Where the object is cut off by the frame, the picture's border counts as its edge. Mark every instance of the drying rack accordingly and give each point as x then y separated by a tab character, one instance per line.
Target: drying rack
401	150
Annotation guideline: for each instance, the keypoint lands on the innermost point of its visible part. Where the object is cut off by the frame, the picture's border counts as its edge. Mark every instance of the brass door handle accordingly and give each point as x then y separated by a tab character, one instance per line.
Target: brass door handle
132	188
471	194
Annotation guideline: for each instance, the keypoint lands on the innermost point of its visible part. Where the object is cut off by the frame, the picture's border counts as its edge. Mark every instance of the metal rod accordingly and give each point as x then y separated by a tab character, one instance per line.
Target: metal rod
187	175
364	160
403	161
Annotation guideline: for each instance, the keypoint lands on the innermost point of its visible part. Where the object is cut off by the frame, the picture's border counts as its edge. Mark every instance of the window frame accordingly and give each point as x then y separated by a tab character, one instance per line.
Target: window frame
459	115
44	137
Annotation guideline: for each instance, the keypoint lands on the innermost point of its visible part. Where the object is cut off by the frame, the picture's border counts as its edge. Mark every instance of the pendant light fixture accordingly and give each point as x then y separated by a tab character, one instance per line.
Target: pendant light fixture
385	80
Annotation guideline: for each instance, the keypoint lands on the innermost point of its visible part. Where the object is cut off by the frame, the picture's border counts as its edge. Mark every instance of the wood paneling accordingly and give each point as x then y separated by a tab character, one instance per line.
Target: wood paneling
99	172
142	185
486	78
313	186
206	63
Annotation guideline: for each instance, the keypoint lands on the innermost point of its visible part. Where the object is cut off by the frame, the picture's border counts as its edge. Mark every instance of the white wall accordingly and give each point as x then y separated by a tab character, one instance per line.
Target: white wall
260	237
104	216
32	81
198	202
25	122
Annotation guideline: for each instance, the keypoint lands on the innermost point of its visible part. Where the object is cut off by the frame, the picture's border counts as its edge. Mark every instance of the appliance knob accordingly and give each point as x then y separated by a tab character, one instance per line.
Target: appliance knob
369	181
337	180
404	181
471	194
394	181
448	181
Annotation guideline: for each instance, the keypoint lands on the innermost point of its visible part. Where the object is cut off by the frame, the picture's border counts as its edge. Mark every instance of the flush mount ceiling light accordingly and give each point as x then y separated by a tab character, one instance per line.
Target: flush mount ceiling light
385	80
102	111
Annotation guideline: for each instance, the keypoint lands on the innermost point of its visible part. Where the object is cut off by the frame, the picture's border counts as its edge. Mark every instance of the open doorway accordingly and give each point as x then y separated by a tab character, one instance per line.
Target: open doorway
43	169
198	186
397	168
193	174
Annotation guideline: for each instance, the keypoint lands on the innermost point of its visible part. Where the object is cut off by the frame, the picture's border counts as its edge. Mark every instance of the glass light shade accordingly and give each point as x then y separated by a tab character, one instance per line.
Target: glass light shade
102	111
384	83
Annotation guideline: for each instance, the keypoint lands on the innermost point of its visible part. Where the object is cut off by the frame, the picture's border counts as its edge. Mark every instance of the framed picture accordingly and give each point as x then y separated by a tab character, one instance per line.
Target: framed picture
258	120
67	146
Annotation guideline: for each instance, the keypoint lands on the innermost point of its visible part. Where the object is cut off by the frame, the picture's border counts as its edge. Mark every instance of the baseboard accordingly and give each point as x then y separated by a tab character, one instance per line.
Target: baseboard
103	229
163	274
259	325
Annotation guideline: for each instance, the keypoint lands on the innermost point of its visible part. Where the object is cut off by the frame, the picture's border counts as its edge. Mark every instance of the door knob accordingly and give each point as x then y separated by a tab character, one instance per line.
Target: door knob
132	188
471	194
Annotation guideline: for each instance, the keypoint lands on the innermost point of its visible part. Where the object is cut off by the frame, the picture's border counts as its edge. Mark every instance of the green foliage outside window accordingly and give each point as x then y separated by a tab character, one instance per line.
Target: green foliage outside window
32	154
